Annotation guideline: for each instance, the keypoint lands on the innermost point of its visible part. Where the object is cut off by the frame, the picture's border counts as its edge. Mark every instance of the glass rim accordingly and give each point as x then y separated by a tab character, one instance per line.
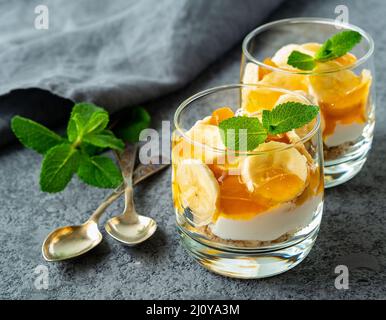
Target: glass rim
212	90
310	20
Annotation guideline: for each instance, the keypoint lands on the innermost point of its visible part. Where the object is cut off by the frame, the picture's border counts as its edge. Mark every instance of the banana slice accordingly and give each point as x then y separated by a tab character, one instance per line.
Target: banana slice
198	190
206	136
279	176
250	74
295	139
291	98
206	120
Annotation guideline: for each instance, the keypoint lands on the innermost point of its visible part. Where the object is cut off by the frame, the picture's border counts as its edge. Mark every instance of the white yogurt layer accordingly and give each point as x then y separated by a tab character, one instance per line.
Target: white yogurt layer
344	133
269	225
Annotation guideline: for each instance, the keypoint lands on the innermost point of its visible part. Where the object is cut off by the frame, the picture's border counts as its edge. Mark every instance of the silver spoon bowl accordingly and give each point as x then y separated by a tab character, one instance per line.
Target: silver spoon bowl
128	233
130	228
71	241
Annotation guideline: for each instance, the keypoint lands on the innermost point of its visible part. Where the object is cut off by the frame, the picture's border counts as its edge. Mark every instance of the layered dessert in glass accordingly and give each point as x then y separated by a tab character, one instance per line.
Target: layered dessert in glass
342	85
238	209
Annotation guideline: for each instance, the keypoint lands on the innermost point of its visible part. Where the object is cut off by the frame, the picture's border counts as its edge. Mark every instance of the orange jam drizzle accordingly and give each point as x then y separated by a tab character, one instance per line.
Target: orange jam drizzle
354	113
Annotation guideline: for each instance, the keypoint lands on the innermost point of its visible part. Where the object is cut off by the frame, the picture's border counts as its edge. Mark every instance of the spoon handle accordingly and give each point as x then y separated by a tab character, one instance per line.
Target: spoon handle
141	172
106	203
126	160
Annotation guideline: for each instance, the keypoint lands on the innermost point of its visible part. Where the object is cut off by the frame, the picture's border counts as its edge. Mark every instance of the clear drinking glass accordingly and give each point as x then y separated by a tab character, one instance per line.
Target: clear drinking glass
343	88
245	214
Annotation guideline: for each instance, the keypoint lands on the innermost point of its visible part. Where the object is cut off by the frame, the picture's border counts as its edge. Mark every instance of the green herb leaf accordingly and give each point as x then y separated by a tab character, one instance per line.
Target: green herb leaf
98	121
288	116
338	45
104	139
242	133
59	164
86	118
90	150
100	172
33	135
301	60
138	119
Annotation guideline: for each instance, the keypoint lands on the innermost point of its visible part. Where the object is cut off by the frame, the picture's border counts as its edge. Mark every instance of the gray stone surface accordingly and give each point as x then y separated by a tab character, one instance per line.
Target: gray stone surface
352	231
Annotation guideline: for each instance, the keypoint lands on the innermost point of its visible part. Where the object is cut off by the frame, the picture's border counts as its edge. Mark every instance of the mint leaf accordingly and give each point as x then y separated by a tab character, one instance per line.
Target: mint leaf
86	118
338	45
73	129
59	164
104	139
138	119
100	172
288	116
90	149
33	135
301	60
97	122
242	133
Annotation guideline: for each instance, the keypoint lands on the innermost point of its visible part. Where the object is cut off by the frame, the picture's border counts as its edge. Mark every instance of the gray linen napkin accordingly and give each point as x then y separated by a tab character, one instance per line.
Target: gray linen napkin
113	53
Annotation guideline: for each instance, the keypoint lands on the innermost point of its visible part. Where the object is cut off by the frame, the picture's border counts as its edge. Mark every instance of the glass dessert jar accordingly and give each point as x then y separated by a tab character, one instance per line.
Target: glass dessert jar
245	214
342	87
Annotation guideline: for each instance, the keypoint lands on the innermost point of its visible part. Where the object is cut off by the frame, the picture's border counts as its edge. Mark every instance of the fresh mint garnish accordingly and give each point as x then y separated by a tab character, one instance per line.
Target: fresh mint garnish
77	153
99	171
242	133
288	116
301	61
59	165
246	133
335	47
338	45
33	135
86	118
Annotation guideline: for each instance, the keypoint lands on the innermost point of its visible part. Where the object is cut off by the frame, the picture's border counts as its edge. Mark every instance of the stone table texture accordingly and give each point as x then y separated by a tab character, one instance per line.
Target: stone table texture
352	231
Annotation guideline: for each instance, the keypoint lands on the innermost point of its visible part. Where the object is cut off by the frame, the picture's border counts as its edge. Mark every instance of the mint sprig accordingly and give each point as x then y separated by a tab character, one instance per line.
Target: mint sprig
301	60
63	156
246	133
86	118
288	116
242	133
338	45
335	47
